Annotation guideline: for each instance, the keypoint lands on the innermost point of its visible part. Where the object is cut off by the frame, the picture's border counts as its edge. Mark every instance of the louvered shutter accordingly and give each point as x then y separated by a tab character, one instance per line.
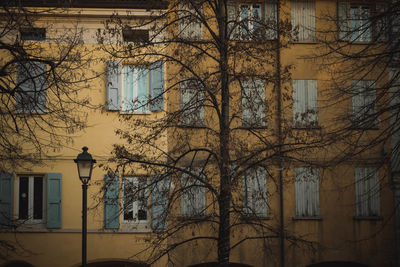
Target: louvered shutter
271	20
306	192
111	202
343	21
6	199
367	191
142	89
53	199
233	29
113	85
312	101
157	86
159	202
303	18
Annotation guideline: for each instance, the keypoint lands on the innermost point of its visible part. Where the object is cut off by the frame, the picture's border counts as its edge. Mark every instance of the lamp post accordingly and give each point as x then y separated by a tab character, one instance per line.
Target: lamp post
84	161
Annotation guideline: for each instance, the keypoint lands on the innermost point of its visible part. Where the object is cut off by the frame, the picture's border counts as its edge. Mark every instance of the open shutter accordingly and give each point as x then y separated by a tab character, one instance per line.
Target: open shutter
113	85
271	20
157	86
343	21
159	202
53	211
299	102
6	199
111	202
233	29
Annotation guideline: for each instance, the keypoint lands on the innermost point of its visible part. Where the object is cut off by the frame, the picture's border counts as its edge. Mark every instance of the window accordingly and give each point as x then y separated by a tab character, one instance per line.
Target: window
255	193
38	199
35	34
395	119
192	103
253	103
303	20
354	22
363	101
193	196
30	197
141	89
305	103
138	36
190	26
31	94
367	192
306	192
252	21
135	199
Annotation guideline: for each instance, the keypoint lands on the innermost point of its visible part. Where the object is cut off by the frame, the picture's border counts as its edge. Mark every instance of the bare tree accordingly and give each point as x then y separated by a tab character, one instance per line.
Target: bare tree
220	137
41	73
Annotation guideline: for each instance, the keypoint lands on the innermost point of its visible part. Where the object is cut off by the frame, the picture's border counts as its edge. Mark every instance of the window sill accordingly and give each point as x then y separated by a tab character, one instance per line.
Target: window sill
135	112
191	126
306	42
30	112
368	218
244	127
306	127
307	218
247	217
192	217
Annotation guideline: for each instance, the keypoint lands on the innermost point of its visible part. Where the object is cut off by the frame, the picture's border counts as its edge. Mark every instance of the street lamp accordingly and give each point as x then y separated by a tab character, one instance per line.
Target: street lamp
84	161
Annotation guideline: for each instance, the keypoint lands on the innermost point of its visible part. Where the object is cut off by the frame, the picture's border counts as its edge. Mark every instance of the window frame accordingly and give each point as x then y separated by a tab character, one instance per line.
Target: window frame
135	205
30	214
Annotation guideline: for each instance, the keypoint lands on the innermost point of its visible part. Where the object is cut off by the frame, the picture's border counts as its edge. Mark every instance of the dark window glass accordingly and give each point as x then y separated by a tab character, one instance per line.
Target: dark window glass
23	198
36	34
38	198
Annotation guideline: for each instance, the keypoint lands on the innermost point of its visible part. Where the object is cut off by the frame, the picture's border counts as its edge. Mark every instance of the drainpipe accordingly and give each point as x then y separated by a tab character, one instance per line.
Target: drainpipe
280	139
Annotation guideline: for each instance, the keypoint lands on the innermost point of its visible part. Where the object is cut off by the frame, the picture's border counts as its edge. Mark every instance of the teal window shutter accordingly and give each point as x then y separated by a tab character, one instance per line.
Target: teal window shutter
6	199
159	202
157	86
111	202
113	85
53	214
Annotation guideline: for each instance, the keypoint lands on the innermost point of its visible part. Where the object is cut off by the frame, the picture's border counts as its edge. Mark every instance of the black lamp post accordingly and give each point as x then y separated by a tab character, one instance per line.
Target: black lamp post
84	161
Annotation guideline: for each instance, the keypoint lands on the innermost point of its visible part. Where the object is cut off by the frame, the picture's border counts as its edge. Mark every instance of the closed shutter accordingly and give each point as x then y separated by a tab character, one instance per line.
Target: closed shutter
306	192
357	102
303	18
271	20
31	77
157	86
367	191
255	192
312	101
190	26
299	103
6	199
192	104
343	21
159	202
395	119
111	202
54	193
113	85
253	103
233	29
193	198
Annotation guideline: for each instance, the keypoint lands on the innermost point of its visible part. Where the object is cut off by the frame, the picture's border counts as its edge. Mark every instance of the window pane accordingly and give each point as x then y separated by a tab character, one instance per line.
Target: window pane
23	197
38	198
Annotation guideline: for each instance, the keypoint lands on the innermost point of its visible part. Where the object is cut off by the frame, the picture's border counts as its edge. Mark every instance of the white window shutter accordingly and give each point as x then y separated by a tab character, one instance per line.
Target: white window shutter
192	104
255	192
367	191
306	192
303	18
190	27
253	103
299	102
113	85
312	101
193	196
